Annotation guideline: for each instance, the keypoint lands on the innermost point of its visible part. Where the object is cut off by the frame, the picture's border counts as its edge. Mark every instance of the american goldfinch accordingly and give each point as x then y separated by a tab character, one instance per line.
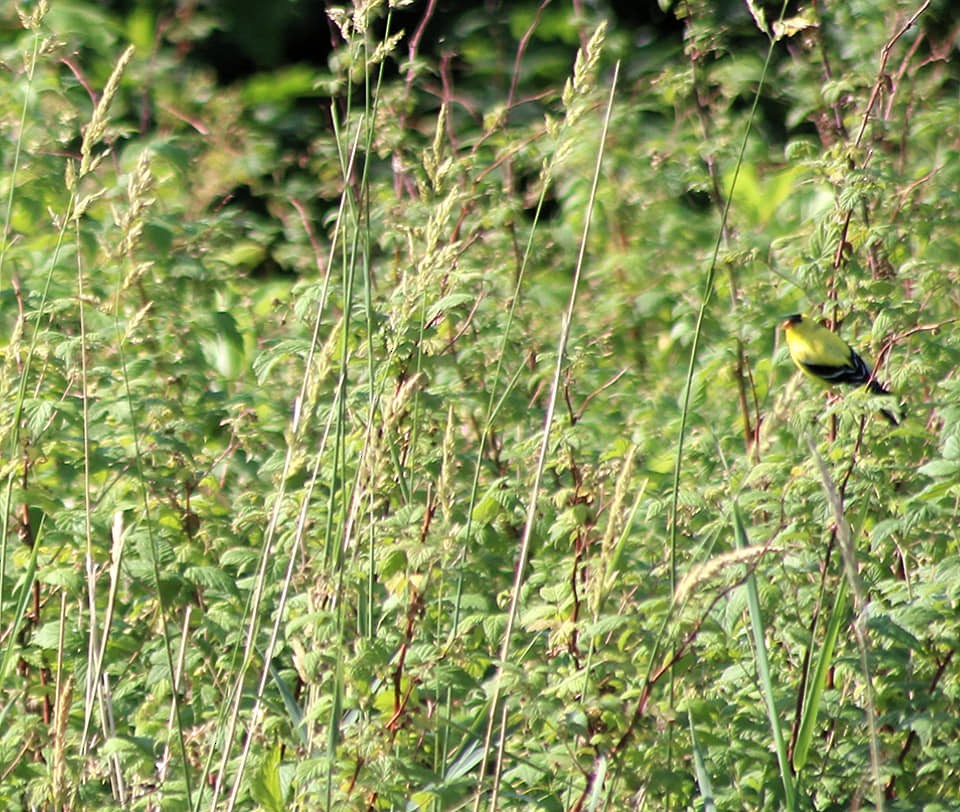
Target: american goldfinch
827	358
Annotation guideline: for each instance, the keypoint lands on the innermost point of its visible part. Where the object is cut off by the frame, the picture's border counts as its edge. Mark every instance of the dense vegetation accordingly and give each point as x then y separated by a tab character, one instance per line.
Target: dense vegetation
414	432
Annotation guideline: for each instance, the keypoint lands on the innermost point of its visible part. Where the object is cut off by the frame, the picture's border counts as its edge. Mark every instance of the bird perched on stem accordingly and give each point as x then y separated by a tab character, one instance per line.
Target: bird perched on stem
827	358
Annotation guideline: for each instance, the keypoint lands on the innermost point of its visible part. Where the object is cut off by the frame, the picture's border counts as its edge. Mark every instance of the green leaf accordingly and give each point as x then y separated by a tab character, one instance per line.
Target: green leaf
265	784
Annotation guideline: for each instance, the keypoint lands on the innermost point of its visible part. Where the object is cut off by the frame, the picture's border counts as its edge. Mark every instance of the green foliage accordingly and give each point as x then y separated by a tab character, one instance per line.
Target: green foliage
336	476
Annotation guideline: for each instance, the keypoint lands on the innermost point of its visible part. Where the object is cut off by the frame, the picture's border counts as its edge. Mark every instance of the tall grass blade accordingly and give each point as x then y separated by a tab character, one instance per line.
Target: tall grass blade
763	670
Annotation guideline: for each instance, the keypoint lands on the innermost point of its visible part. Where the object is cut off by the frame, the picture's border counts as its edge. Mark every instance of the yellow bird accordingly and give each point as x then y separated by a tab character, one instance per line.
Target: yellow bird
827	358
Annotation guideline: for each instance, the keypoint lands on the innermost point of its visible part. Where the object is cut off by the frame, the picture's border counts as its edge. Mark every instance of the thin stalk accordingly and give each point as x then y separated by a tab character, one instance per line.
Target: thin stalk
496	704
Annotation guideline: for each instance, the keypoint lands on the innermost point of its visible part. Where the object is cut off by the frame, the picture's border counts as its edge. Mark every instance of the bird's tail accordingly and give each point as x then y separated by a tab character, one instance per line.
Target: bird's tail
890	416
876	388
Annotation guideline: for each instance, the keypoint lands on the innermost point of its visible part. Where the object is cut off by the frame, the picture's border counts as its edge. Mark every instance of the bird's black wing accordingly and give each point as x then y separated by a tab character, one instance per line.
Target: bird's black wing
854	373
